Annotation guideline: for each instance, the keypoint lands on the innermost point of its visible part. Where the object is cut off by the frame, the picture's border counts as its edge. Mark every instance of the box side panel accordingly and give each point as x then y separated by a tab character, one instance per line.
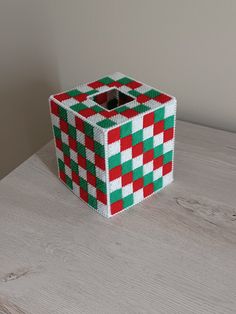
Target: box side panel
140	157
80	155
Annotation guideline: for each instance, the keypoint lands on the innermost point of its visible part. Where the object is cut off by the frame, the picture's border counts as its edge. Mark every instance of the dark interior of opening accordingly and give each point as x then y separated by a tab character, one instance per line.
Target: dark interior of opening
112	99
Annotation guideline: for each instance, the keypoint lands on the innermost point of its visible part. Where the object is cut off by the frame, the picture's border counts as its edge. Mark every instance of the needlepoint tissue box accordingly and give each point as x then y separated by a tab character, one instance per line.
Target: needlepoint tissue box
114	141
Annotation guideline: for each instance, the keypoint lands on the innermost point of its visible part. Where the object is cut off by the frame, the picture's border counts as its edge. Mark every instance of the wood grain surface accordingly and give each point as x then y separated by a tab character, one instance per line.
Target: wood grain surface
173	253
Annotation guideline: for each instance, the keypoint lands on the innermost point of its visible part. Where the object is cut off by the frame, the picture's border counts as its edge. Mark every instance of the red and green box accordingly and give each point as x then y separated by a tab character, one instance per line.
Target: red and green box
114	141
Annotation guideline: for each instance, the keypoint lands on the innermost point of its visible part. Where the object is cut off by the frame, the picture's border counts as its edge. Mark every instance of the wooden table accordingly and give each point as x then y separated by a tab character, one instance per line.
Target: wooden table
173	253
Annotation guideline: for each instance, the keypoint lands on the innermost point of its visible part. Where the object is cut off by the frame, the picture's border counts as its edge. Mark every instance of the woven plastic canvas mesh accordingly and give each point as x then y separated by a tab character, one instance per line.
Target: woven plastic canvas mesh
114	141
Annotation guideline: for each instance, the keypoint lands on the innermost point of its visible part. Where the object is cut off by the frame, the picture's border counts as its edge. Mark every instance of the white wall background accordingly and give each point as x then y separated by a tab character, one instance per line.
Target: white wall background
185	47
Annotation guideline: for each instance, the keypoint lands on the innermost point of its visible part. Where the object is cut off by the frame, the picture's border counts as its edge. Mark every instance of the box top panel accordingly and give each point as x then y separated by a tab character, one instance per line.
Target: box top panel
112	100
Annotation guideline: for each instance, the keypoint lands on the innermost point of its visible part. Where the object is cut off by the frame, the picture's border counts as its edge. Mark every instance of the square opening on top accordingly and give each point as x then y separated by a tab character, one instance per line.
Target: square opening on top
112	99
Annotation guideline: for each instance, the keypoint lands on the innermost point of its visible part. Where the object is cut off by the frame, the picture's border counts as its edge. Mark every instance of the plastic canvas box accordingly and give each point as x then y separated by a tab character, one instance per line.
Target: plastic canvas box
114	141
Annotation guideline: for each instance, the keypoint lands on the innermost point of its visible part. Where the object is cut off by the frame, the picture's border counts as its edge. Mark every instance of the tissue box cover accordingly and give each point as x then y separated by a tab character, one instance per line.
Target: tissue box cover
114	141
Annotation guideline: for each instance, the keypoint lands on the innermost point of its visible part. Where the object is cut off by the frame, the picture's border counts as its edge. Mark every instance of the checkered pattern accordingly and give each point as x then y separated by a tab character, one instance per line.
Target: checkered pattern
113	159
140	154
80	100
81	157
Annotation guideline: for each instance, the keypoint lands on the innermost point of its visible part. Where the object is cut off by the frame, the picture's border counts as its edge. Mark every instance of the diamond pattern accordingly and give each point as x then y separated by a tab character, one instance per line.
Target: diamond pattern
82	100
